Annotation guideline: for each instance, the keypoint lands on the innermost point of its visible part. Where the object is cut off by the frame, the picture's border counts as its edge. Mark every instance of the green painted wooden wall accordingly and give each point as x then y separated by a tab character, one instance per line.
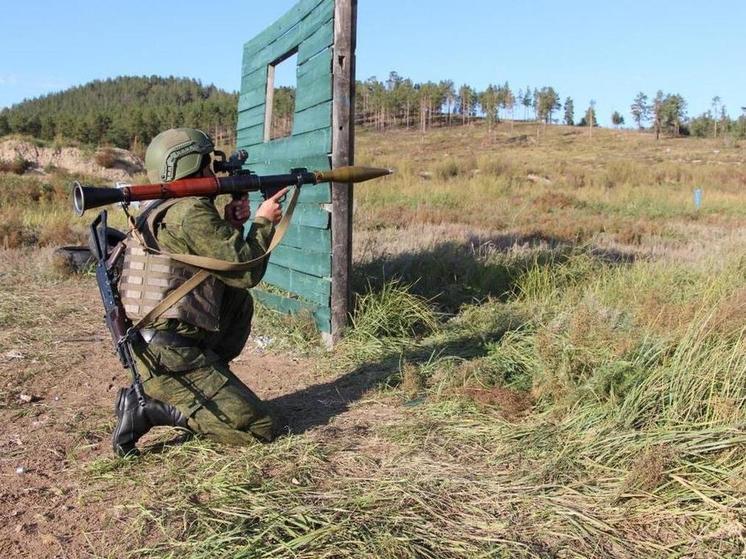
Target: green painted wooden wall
301	265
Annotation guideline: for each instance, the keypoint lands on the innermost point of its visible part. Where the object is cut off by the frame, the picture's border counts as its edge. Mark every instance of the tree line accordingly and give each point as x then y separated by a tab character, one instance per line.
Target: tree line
129	111
126	112
666	113
400	102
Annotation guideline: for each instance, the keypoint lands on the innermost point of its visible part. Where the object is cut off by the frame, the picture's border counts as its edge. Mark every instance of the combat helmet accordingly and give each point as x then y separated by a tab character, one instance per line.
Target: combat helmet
176	153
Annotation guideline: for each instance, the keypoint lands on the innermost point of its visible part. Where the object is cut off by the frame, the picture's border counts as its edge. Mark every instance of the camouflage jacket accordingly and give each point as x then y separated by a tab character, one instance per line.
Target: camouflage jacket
194	226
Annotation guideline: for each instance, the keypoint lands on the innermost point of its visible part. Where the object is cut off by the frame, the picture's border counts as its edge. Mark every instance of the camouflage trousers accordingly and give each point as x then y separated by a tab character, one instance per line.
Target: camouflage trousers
216	403
196	378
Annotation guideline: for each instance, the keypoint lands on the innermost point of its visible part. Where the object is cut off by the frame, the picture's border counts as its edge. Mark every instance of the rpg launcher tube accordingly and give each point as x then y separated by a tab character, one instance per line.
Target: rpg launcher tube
88	197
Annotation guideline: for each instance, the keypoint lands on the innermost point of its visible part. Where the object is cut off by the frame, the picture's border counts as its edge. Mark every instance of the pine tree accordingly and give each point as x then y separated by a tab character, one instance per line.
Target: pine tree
489	100
640	109
448	91
569	112
589	119
528	97
467	100
112	111
547	101
657	110
716	104
4	126
673	113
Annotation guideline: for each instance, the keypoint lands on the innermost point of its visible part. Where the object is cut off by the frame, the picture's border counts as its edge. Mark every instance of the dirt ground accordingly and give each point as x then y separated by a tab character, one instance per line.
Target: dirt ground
59	377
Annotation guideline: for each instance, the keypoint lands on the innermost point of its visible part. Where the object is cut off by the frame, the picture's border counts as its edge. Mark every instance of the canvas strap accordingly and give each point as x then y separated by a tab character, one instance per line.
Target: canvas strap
207	264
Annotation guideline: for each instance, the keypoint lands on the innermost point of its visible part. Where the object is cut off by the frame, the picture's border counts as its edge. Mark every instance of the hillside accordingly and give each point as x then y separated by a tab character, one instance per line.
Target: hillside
39	159
125	112
548	359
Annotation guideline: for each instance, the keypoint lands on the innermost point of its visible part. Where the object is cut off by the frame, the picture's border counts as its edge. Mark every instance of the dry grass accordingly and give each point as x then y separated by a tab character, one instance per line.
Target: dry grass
106	157
18	166
563	185
560	334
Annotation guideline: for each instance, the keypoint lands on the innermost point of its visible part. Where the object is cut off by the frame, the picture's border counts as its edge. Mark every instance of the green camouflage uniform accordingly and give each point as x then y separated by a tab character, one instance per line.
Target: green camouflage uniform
196	379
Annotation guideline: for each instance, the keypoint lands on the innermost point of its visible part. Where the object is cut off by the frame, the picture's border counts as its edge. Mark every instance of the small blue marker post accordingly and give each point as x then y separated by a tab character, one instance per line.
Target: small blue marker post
697	198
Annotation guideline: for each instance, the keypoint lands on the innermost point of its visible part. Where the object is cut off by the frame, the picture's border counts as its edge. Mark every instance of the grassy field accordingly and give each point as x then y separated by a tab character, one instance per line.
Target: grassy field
548	359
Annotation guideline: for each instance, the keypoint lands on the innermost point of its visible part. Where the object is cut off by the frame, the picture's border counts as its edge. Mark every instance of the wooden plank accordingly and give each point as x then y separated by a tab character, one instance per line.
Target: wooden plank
315	143
252	98
308	287
251	117
249	137
318	67
310	195
307	215
255	80
277	52
269	104
292	17
294	306
311	263
316	18
318	41
274	167
308	238
288	41
343	124
311	215
313	118
312	91
314	195
302	264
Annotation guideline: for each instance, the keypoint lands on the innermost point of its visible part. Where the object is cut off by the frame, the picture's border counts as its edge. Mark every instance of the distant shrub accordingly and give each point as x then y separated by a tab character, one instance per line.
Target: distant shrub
59	232
18	166
452	168
497	167
575	177
106	157
550	201
12	231
619	173
447	169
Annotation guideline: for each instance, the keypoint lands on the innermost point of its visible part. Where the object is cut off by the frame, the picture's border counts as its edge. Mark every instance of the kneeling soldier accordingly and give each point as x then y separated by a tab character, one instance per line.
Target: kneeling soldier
184	364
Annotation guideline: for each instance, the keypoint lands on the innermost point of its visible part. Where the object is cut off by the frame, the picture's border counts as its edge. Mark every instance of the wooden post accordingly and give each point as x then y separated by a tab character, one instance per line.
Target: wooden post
270	101
343	153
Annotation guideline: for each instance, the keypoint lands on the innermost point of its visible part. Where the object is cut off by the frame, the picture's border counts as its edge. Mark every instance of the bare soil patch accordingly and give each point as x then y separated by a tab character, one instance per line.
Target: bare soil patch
58	380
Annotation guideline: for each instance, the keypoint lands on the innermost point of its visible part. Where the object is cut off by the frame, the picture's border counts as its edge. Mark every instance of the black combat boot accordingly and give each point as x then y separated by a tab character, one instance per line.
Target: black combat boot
134	420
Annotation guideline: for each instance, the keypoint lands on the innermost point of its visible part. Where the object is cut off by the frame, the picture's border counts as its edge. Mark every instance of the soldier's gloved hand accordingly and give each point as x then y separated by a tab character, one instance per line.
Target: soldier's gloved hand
237	212
271	209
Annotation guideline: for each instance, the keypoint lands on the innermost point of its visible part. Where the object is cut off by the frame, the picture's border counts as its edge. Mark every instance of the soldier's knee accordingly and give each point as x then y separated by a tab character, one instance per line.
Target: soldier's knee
242	427
263	429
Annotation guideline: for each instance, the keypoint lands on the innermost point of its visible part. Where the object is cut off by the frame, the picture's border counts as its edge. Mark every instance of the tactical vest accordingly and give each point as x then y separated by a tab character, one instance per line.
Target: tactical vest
148	277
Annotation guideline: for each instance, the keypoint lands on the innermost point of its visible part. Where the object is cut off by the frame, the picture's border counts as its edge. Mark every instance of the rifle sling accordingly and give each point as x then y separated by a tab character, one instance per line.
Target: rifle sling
207	264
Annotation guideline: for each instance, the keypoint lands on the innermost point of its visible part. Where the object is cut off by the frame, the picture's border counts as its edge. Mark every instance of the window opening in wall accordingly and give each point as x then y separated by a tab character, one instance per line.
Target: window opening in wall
281	89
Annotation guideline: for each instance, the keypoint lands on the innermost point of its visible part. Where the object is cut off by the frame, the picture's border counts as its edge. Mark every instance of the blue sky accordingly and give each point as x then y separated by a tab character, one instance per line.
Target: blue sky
607	51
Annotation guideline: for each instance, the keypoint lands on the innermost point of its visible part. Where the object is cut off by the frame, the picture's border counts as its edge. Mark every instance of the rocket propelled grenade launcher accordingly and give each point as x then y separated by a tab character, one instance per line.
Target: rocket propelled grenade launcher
88	197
